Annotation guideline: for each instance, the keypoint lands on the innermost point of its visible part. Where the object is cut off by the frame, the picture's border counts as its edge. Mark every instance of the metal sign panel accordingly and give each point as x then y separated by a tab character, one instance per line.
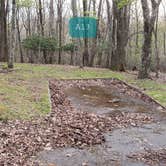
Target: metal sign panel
83	27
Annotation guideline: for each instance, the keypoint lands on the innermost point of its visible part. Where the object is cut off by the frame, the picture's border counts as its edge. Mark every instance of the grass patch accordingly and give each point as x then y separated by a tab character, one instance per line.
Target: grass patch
154	89
24	92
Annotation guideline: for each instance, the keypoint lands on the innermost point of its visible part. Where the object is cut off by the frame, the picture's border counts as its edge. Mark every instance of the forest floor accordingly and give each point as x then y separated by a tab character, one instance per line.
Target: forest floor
31	133
24	91
88	114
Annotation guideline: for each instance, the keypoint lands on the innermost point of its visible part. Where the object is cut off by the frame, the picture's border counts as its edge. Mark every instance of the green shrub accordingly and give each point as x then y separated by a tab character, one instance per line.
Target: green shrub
36	42
69	47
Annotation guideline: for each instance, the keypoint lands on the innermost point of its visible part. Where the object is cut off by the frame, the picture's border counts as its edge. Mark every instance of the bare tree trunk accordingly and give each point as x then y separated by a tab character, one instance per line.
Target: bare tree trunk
74	41
149	22
42	28
121	21
59	8
12	36
137	29
94	42
109	22
28	33
29	20
51	19
99	39
51	27
85	59
156	48
19	36
72	58
3	33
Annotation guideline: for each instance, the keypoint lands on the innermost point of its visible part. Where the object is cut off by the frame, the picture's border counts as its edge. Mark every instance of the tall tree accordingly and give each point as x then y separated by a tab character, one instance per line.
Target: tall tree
24	6
157	57
51	19
95	40
121	21
3	32
42	27
59	21
74	41
149	22
109	22
12	36
51	26
85	51
19	34
137	28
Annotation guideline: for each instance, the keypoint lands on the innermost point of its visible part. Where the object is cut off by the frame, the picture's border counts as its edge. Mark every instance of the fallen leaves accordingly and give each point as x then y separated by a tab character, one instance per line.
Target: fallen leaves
64	126
151	157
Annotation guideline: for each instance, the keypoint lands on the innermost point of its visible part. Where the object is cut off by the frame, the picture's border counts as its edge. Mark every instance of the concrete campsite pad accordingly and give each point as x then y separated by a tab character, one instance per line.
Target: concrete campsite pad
108	98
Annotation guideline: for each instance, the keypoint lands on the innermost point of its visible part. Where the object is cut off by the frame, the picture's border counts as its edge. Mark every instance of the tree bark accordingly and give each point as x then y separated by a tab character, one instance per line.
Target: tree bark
74	41
42	28
19	36
94	44
3	33
137	30
121	28
109	22
51	27
149	22
85	59
59	8
12	36
157	67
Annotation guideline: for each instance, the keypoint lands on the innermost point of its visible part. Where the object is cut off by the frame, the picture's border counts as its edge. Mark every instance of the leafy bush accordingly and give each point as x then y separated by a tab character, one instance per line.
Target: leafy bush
39	42
69	47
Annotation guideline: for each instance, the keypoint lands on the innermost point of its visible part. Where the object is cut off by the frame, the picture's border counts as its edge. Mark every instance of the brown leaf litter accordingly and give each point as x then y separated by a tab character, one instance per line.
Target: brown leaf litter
151	157
64	126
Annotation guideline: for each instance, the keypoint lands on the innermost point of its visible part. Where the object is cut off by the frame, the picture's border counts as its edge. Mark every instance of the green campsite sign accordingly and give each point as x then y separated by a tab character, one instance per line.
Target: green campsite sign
83	27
